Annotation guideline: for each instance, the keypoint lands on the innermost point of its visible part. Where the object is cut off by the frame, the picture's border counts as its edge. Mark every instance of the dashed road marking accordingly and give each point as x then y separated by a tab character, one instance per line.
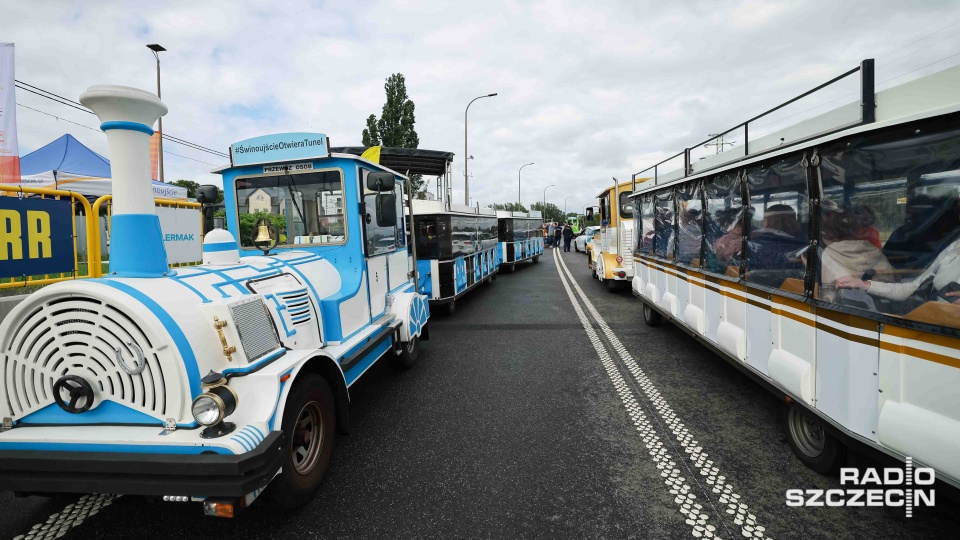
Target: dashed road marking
71	516
694	514
737	510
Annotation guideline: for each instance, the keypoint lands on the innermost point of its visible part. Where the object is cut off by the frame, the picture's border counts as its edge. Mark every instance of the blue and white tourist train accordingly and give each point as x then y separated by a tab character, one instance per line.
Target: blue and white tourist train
457	249
521	237
208	383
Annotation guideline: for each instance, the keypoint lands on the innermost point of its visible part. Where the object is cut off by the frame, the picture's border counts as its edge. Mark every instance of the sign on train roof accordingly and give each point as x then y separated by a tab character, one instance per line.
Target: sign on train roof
279	147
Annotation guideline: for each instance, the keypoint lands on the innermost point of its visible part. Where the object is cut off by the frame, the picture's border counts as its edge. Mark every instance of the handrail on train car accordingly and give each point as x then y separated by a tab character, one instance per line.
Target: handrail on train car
175	203
868	115
91	270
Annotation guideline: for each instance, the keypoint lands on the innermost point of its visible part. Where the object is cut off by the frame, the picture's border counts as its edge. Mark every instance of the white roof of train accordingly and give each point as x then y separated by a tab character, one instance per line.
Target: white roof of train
929	96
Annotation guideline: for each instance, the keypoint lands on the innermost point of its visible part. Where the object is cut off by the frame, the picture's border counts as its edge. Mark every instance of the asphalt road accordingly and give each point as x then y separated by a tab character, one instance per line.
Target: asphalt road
532	414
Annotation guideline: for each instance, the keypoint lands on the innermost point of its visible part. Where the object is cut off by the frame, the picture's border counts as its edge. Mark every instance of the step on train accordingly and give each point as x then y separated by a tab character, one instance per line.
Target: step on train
823	260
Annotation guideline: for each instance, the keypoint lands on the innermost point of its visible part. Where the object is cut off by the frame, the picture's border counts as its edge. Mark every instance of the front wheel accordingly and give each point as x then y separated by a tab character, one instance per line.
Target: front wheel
408	357
576	247
309	425
536	259
451	307
650	316
811	443
611	285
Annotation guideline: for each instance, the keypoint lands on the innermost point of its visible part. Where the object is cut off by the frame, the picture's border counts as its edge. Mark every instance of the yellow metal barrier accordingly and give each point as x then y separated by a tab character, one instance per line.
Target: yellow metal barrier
93	244
165	203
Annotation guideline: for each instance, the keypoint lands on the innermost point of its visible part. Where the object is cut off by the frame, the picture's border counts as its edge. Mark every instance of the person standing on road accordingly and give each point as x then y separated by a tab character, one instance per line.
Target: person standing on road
567	236
557	233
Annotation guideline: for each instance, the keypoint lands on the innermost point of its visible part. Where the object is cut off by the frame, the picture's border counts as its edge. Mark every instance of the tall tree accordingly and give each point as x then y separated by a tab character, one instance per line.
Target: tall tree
551	212
511	206
395	127
371	136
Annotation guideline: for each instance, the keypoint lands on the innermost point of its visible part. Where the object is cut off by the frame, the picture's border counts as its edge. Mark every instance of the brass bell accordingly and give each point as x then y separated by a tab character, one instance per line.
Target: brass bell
263	232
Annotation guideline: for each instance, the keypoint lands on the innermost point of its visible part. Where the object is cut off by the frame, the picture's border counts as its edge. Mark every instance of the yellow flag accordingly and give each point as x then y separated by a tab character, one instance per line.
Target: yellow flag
372	154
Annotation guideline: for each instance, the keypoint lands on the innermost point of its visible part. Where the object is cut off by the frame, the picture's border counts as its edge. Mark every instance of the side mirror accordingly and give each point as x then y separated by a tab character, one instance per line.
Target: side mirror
207	194
386	209
380	181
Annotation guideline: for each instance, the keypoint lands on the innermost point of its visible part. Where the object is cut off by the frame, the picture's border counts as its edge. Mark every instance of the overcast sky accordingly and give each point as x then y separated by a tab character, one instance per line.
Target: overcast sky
587	90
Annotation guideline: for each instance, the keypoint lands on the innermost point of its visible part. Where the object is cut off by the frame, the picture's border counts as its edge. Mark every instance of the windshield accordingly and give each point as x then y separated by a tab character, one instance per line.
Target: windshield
305	208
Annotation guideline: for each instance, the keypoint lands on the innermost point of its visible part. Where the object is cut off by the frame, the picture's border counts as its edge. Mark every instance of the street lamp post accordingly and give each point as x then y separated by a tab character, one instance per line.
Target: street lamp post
156	50
518	181
544	207
466	183
565	208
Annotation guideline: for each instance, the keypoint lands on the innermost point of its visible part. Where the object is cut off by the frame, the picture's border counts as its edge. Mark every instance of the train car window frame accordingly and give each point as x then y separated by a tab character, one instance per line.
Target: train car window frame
716	226
279	176
668	240
692	195
371	245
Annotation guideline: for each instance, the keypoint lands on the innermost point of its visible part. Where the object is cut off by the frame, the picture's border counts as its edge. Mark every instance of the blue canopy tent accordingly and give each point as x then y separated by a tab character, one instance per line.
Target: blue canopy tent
67	164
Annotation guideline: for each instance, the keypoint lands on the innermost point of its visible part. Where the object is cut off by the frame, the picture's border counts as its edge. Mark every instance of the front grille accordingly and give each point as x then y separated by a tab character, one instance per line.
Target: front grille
257	334
80	335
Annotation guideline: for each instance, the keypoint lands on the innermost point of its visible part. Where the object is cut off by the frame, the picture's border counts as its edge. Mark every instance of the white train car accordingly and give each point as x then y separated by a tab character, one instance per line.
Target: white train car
824	261
208	383
521	237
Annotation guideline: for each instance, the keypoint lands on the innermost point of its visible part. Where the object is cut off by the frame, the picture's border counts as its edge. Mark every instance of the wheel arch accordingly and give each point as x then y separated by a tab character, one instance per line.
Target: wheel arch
327	368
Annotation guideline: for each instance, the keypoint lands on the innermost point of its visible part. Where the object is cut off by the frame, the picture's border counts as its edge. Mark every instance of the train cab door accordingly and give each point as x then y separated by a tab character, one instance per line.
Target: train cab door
380	241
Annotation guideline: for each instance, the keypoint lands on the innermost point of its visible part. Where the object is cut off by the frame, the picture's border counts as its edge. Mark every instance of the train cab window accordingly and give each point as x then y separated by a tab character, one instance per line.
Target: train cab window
690	223
379	240
401	225
427	239
646	230
605	209
626	205
778	226
664	223
890	224
723	224
306	208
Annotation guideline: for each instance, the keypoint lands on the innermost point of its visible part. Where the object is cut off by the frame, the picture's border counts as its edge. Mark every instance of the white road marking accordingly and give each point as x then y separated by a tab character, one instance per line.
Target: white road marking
71	516
726	495
686	501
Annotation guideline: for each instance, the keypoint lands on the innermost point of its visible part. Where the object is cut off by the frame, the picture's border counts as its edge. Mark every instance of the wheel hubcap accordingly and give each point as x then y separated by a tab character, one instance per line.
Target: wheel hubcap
307	438
807	434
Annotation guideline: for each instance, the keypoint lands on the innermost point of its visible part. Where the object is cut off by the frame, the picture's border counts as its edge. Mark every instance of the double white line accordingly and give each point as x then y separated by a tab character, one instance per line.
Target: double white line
655	418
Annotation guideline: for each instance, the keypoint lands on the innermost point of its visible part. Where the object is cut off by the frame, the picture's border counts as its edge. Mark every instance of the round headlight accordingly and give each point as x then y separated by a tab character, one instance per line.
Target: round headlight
207	409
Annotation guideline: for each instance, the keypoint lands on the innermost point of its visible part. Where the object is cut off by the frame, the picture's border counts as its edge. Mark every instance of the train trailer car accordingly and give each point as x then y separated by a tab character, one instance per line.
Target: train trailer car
521	237
456	250
823	260
208	383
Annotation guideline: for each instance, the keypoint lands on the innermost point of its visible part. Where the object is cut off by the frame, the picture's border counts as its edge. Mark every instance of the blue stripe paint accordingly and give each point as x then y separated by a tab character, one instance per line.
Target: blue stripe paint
219	246
172	328
279	308
123	124
263	361
360	367
262	436
106	411
114	448
136	248
246	440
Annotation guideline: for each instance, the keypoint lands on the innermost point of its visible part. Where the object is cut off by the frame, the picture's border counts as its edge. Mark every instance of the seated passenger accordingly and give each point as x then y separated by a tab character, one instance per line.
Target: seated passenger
868	232
689	236
931	224
942	276
845	254
776	245
729	245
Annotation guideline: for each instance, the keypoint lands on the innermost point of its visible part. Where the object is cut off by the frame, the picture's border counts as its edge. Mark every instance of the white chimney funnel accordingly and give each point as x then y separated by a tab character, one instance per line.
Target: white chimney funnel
127	116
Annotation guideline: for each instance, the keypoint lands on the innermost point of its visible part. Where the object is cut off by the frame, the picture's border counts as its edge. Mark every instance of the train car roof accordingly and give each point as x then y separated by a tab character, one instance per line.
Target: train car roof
533	214
925	97
622	185
424	208
406	160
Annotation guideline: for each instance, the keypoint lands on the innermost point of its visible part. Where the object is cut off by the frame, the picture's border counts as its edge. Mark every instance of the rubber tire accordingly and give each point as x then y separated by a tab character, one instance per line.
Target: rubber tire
512	268
290	490
832	456
450	308
612	285
536	259
651	317
576	247
406	359
493	276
